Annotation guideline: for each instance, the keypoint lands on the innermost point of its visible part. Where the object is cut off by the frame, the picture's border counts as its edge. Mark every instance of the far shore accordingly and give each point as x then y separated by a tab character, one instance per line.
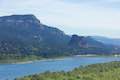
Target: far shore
58	58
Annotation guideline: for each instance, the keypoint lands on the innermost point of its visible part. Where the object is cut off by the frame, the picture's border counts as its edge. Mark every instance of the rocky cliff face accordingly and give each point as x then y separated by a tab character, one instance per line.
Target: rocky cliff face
19	19
25	34
88	45
77	41
84	42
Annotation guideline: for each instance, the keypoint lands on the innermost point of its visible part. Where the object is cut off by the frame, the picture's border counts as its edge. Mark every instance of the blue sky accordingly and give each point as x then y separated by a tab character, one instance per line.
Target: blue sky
82	17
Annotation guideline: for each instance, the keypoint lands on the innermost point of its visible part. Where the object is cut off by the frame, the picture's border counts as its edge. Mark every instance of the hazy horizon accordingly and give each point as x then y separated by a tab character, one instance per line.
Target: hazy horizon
82	17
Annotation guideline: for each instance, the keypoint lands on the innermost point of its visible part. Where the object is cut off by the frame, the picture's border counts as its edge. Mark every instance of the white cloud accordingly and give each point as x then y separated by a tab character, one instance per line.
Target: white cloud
89	17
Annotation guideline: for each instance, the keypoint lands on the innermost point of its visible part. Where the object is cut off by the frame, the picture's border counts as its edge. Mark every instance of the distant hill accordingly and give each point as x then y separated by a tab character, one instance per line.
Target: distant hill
84	42
106	40
88	45
26	35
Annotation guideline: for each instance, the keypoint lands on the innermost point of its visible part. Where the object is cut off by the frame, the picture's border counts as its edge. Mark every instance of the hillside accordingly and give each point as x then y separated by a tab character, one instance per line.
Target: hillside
88	45
104	71
106	40
22	35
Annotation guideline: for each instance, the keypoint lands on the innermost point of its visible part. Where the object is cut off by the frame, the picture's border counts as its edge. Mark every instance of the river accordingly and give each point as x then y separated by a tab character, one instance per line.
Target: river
11	71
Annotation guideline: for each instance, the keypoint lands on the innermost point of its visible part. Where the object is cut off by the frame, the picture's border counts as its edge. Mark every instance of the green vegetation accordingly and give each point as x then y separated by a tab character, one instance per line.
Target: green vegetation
14	58
18	58
103	71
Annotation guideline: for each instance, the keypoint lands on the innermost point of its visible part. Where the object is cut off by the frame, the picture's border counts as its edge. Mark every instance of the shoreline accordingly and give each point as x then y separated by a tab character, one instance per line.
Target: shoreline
57	58
27	62
32	61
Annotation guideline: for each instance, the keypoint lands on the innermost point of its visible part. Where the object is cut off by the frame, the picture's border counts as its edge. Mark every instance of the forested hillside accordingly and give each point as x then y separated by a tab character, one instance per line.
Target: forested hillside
25	35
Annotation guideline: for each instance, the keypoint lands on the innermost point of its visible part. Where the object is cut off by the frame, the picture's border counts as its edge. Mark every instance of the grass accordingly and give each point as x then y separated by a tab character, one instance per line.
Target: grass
103	71
20	59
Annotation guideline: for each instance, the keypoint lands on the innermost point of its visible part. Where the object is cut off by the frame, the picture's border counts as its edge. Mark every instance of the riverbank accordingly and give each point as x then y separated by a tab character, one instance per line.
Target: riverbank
21	60
12	71
33	58
101	71
91	55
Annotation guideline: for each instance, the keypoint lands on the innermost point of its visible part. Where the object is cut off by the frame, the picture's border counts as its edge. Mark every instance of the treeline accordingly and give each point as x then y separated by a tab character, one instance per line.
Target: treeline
14	58
104	71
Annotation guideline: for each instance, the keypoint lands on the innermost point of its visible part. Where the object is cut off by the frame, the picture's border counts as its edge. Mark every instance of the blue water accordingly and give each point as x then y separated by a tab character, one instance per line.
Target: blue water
11	71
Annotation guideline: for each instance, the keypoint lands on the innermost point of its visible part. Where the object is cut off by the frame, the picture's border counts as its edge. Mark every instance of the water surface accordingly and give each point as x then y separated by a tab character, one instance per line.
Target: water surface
11	71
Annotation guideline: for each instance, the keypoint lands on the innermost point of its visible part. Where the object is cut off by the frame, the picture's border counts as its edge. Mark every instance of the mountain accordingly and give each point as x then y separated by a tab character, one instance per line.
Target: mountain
84	42
106	40
88	45
26	35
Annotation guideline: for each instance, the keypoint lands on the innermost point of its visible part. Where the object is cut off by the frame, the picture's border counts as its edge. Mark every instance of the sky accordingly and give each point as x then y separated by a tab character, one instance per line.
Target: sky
82	17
